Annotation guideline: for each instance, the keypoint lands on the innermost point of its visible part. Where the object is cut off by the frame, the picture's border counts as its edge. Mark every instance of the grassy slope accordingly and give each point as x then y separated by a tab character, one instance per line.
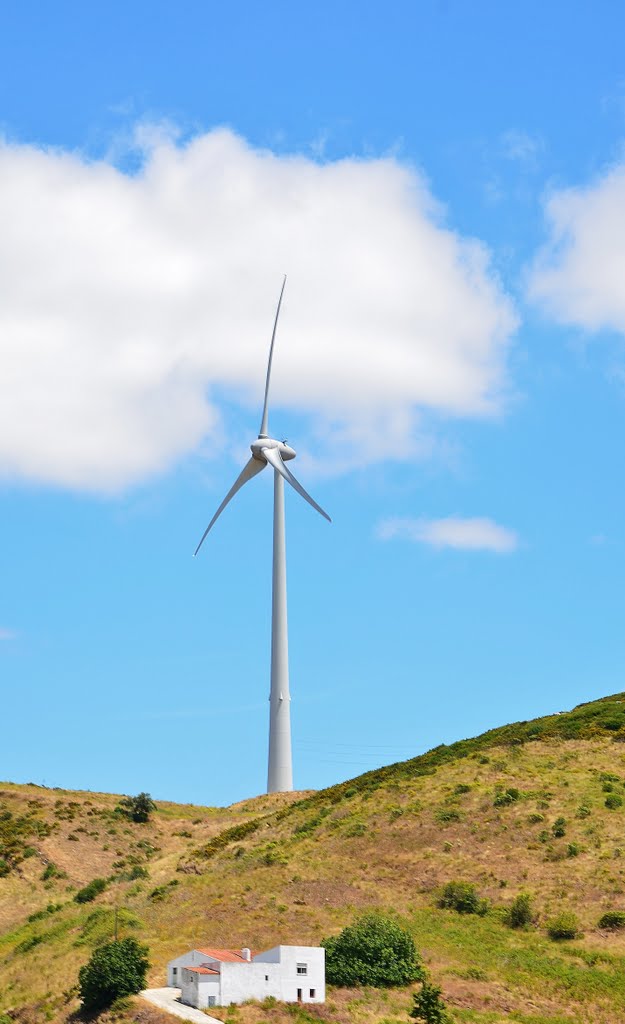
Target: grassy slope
387	839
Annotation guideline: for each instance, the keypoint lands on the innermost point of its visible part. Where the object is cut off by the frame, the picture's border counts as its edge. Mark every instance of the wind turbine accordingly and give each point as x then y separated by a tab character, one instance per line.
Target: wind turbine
267	451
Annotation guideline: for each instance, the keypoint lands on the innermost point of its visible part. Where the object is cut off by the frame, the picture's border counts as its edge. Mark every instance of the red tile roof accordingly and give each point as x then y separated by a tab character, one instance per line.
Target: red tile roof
227	955
201	970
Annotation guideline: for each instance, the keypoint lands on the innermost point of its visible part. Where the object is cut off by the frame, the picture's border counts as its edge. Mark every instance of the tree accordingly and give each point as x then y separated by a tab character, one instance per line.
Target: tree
138	808
375	950
429	1007
115	969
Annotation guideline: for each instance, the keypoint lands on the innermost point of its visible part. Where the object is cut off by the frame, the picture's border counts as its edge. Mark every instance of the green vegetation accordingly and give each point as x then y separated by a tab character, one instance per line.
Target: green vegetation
504	797
15	833
137	808
115	970
228	836
564	926
613	920
375	951
519	914
463	898
90	891
429	1007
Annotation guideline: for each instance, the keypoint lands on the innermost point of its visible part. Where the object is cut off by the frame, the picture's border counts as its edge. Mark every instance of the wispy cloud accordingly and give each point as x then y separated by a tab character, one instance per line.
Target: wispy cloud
477	534
521	147
7	634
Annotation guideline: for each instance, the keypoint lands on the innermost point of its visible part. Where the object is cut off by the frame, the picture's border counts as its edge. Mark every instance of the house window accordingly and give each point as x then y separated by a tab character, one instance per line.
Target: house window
302	968
211	1000
312	993
174	971
266	977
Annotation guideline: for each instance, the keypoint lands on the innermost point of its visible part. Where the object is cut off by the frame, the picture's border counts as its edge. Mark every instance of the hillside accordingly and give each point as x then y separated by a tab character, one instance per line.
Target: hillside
537	807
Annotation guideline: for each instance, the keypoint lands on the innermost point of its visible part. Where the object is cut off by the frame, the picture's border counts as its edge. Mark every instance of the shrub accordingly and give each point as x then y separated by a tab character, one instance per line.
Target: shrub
116	969
162	891
463	898
559	828
51	871
429	1007
374	950
137	808
90	891
572	850
535	818
506	796
519	914
613	801
612	920
564	926
462	788
583	811
445	815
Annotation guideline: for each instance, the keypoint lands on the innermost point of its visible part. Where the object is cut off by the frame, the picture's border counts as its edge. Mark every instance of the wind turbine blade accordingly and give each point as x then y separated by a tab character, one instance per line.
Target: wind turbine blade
250	469
263	424
275	459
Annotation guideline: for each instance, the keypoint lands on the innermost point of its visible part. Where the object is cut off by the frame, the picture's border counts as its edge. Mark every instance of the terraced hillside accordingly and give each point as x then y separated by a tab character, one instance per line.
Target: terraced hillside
536	807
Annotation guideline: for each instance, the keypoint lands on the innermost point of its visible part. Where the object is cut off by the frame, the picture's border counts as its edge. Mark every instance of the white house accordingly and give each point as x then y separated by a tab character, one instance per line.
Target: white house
218	977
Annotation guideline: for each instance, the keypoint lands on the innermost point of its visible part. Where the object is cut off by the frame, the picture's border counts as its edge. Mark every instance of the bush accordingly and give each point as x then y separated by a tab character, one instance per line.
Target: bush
445	815
137	808
463	898
519	914
613	801
375	950
564	926
505	797
559	828
51	871
612	920
90	891
429	1007
116	969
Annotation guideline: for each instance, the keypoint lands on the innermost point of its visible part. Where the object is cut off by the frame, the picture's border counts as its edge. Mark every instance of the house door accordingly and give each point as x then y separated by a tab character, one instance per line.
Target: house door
299	995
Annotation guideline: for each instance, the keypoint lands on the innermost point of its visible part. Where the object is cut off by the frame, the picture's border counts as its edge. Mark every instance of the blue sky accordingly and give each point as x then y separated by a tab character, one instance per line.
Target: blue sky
444	183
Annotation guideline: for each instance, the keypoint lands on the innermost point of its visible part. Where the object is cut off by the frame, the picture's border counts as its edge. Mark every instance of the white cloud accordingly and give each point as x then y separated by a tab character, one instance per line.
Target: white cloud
578	275
130	304
476	534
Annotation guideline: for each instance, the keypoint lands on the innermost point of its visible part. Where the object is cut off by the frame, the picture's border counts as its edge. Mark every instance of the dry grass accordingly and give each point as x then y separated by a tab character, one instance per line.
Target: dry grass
311	865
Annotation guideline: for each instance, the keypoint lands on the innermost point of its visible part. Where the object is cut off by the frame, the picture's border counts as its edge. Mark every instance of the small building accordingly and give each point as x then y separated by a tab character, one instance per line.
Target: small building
217	977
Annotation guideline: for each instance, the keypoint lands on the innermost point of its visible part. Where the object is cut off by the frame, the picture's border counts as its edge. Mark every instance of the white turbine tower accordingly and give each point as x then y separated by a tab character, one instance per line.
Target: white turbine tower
267	451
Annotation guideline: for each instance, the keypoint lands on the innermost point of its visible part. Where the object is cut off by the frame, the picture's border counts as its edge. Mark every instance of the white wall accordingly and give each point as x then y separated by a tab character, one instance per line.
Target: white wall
288	958
250	981
191	959
206	986
272	973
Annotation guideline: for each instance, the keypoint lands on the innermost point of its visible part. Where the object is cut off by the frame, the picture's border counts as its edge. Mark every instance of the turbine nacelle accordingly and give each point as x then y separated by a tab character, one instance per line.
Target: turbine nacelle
266	451
285	450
